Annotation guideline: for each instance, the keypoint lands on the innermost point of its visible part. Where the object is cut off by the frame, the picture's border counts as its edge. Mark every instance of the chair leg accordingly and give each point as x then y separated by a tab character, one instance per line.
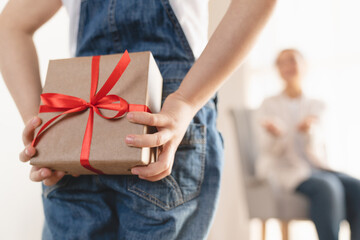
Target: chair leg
285	230
263	236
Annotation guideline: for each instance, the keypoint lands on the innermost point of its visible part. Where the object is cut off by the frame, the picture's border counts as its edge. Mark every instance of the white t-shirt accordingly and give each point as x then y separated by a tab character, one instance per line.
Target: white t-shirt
193	17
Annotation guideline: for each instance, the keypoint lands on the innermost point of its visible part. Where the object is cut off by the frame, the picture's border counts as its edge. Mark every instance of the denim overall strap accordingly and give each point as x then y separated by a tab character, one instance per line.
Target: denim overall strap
112	26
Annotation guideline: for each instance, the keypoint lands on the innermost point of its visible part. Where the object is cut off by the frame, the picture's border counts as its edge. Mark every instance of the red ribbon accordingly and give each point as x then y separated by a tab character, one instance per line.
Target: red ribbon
56	102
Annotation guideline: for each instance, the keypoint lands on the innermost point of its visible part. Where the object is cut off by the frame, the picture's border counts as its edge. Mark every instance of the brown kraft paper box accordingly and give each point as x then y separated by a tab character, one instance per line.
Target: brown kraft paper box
59	146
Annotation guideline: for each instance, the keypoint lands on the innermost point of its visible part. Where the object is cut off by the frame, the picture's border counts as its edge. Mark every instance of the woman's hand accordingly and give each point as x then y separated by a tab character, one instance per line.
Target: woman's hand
171	122
272	128
37	174
306	124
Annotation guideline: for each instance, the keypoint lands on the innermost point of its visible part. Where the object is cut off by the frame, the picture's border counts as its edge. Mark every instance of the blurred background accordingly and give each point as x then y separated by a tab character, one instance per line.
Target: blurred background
324	31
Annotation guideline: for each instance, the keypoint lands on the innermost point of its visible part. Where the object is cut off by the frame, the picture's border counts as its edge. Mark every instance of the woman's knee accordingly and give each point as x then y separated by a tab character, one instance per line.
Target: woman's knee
326	188
351	185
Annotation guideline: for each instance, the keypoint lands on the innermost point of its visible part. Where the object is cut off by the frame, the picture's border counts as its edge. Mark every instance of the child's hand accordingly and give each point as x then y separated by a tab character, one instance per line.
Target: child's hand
37	174
171	122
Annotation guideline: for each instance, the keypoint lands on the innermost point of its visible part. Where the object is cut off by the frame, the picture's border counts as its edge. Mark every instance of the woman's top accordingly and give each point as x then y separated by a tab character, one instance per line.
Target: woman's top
287	160
191	14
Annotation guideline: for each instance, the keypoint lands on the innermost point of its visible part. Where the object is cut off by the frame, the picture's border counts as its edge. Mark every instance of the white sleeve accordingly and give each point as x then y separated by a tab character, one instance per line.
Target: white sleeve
317	109
268	144
316	148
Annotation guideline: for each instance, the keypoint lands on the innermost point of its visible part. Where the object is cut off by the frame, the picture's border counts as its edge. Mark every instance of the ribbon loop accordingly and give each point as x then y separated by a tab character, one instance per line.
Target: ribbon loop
56	102
112	102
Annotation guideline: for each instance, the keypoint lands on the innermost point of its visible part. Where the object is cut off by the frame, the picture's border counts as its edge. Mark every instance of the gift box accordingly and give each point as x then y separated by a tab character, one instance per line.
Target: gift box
83	105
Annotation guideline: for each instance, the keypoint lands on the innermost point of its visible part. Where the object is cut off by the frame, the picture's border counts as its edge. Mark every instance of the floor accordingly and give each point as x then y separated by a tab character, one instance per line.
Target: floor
299	230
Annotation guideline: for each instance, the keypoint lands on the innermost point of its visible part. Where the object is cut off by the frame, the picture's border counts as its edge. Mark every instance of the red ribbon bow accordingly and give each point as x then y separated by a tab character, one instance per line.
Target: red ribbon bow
56	102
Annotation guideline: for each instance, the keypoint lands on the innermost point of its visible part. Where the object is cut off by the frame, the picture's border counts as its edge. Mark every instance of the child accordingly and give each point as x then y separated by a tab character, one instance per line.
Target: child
175	197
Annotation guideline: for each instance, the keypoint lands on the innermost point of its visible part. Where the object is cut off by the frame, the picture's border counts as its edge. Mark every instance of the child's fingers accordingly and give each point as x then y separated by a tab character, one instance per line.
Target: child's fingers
28	132
55	177
149	119
27	153
149	140
38	174
156	177
44	174
162	167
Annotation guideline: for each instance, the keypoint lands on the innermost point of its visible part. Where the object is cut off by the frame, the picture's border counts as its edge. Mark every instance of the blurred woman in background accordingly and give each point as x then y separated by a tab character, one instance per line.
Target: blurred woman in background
292	153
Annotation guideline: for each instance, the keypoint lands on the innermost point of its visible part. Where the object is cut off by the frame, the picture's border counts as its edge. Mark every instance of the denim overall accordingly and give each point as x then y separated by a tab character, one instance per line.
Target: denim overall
180	206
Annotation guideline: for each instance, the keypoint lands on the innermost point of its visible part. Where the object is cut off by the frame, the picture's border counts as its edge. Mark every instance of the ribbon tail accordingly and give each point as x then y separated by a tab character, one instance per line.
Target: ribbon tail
138	108
113	78
85	149
33	143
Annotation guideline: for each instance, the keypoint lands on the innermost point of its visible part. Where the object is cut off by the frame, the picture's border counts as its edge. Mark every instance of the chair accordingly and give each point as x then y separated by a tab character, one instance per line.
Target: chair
264	202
